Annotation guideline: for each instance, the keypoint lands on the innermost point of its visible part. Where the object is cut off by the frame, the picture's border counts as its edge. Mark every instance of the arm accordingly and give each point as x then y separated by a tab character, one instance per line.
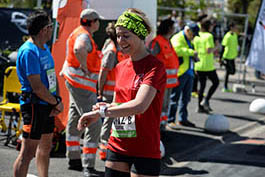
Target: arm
43	93
221	53
82	47
180	46
140	104
224	43
101	81
40	90
108	62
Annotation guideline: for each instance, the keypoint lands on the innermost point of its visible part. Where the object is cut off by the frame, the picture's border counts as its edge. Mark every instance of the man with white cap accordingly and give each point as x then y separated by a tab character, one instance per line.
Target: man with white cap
80	71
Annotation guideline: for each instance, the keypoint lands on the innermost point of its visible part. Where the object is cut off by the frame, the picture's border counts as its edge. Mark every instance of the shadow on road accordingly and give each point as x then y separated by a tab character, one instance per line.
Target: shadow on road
196	145
261	122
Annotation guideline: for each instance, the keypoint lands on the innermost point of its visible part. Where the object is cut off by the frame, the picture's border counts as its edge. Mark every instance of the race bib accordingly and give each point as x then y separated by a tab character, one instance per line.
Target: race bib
52	80
124	127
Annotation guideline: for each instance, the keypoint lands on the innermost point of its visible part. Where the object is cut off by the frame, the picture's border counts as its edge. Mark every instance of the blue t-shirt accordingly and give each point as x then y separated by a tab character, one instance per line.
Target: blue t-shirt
34	60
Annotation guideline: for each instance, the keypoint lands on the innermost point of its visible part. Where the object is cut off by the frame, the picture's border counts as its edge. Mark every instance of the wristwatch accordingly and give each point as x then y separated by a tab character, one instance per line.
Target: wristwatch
102	110
58	100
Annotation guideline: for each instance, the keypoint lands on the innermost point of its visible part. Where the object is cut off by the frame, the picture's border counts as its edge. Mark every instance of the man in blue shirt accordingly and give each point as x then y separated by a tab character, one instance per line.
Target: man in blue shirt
39	101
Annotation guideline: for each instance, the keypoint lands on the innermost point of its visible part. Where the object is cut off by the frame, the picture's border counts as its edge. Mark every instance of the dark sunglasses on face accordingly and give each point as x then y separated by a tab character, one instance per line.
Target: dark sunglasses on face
50	25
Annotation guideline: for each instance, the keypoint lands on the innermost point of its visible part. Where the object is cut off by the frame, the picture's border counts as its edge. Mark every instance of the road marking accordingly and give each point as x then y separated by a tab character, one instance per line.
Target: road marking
251	141
31	175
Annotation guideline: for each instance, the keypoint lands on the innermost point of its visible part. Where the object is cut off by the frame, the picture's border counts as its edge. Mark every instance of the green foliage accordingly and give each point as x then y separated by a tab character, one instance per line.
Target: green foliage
250	7
253	11
31	4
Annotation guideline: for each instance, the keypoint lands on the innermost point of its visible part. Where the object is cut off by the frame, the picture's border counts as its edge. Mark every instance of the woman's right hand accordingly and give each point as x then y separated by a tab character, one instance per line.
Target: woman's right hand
87	119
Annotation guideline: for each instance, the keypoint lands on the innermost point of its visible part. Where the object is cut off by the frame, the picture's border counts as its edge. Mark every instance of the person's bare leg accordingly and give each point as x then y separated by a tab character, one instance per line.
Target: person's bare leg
119	166
27	152
137	175
43	154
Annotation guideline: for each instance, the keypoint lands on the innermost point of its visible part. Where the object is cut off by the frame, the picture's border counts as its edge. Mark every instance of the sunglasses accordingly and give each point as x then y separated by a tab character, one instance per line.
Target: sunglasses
50	25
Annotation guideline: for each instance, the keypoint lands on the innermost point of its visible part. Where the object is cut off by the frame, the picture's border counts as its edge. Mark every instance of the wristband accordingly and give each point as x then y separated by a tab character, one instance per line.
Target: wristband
58	100
102	110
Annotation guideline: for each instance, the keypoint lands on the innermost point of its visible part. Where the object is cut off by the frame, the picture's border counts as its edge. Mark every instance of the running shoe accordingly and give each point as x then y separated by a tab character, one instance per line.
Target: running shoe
226	90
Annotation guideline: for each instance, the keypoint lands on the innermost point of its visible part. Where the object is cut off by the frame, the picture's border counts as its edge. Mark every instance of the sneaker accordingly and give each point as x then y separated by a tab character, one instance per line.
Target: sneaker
90	172
186	123
194	94
206	105
172	125
75	164
227	90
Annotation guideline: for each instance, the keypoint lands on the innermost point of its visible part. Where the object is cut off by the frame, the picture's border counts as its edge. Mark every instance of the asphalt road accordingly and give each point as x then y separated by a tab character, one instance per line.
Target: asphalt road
193	151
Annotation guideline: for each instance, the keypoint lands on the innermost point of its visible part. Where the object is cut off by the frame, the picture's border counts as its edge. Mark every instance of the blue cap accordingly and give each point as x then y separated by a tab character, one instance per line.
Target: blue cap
194	28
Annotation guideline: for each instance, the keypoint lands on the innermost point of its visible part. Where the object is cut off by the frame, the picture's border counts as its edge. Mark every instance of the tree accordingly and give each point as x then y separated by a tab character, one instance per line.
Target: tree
250	7
194	6
253	10
24	3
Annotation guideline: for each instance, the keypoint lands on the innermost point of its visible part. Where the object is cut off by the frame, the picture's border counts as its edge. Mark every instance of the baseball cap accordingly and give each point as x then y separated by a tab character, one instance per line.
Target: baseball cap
194	28
90	14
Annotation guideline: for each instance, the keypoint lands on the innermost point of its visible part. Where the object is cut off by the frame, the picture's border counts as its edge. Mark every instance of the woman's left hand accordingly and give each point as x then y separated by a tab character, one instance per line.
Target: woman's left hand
97	105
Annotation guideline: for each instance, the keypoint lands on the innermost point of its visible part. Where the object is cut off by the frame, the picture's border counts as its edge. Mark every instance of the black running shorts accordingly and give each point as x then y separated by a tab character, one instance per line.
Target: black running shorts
36	120
138	165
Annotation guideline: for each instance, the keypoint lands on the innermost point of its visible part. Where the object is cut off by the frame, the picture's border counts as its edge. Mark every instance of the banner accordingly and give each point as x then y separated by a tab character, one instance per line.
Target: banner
256	57
13	31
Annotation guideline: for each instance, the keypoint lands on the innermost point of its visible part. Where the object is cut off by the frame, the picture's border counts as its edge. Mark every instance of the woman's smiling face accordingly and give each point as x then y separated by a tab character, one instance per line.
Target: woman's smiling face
128	41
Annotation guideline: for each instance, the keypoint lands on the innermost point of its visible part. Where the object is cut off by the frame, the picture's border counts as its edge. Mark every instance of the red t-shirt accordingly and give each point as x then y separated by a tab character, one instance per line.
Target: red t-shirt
138	135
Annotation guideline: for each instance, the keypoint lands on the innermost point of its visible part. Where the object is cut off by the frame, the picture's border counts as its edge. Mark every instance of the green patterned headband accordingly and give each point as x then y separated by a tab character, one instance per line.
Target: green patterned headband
134	23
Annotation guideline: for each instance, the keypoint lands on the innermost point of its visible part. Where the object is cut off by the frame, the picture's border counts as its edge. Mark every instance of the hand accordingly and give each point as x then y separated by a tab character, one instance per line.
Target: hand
99	98
97	105
196	59
195	54
57	110
220	61
85	70
87	119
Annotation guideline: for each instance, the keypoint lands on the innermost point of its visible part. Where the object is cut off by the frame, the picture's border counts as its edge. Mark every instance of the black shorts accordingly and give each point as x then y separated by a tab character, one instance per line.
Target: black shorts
138	165
36	120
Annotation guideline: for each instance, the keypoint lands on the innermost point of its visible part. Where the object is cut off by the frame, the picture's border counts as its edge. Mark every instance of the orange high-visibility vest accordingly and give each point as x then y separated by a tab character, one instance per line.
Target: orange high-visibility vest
72	73
169	57
108	88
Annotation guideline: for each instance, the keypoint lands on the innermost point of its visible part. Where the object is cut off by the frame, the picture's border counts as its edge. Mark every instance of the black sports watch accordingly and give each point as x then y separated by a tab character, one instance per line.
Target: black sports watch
58	100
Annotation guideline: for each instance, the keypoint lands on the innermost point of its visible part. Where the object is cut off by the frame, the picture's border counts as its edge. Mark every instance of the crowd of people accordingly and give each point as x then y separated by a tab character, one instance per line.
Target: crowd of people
136	88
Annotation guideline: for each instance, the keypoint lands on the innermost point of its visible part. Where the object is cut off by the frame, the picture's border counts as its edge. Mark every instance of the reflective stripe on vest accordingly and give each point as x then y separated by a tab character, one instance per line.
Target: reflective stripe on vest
75	77
172	78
